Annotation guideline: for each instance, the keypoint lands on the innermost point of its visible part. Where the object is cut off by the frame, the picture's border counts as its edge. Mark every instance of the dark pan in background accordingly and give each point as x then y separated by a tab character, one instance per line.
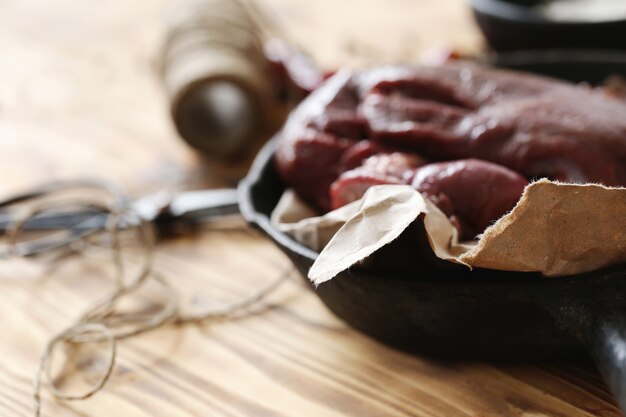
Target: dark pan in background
447	311
510	25
582	65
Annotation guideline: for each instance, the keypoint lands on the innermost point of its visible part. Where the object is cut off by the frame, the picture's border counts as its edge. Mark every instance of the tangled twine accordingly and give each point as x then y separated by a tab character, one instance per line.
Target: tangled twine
101	323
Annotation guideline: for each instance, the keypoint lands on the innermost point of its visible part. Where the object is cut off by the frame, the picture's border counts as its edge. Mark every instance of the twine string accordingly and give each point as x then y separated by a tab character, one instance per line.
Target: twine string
102	322
78	333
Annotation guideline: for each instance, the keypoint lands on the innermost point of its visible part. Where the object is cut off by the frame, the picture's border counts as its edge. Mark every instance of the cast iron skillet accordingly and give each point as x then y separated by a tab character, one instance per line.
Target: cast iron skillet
448	311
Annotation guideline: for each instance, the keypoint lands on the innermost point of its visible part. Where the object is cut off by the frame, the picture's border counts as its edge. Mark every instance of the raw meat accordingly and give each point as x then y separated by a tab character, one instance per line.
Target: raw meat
345	135
394	168
473	193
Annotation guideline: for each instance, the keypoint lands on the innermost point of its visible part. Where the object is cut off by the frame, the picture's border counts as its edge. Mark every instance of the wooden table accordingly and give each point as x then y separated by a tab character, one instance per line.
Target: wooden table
79	95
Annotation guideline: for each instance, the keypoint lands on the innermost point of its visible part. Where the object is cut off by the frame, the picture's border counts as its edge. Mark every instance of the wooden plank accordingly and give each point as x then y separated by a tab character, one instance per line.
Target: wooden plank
79	95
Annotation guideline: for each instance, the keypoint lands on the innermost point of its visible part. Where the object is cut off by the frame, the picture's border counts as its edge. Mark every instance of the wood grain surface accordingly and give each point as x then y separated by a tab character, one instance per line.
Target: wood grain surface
79	95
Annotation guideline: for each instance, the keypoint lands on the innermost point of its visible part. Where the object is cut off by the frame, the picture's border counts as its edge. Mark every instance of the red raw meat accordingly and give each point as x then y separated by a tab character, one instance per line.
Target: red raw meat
316	136
536	126
472	192
394	168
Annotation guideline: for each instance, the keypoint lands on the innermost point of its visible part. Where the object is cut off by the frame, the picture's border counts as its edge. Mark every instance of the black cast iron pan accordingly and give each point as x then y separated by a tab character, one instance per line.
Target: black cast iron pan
447	311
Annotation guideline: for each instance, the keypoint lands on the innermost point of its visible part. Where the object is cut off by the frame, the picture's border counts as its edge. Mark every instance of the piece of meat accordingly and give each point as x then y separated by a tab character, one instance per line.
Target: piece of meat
294	74
393	168
473	193
315	137
358	153
314	167
536	126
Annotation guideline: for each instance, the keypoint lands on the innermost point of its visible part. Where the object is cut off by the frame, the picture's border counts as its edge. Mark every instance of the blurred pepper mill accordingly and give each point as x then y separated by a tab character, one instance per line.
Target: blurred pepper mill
217	78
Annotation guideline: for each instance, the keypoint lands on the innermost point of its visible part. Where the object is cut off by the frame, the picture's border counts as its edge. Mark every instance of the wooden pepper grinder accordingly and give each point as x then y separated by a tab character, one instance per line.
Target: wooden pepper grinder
217	77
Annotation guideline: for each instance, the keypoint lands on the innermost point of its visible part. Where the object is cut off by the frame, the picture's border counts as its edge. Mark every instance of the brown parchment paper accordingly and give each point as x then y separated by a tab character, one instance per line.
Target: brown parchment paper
555	229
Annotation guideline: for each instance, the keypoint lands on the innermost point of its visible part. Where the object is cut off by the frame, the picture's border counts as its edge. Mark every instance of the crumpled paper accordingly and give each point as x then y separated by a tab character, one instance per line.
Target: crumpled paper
555	229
